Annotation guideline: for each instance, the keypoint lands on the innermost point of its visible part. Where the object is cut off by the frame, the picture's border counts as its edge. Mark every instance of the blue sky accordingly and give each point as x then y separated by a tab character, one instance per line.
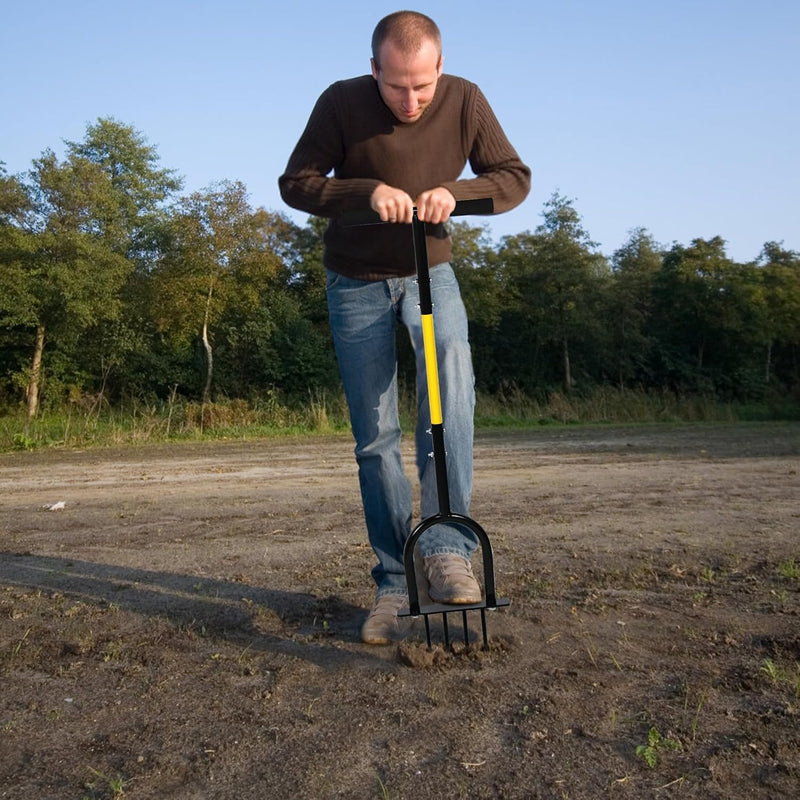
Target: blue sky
679	116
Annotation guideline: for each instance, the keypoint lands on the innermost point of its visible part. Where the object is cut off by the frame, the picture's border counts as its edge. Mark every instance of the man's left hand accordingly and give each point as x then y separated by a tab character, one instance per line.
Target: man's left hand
435	205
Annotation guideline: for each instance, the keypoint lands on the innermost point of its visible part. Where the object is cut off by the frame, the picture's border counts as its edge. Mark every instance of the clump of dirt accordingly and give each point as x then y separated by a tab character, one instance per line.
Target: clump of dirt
420	656
183	622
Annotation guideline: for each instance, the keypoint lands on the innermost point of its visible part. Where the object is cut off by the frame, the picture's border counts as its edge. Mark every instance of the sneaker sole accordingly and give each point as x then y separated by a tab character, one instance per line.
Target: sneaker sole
456	601
376	640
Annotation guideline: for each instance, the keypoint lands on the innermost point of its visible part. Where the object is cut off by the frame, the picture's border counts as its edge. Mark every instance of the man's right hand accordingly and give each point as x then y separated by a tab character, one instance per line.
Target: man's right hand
391	204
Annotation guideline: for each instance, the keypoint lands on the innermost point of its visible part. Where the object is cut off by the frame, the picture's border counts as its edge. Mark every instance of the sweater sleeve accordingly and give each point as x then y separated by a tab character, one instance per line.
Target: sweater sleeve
307	183
499	171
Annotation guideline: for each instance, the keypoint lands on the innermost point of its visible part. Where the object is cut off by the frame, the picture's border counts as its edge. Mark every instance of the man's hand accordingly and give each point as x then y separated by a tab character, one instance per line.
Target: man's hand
395	205
435	205
392	205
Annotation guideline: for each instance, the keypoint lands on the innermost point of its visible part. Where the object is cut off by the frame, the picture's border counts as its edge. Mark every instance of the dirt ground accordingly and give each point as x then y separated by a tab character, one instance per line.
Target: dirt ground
187	624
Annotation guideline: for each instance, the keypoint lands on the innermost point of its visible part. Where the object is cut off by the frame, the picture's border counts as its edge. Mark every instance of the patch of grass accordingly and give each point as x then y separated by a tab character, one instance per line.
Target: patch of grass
21	441
696	717
536	588
603	405
152	421
789	569
89	421
384	792
780	676
103	786
708	574
780	595
771	670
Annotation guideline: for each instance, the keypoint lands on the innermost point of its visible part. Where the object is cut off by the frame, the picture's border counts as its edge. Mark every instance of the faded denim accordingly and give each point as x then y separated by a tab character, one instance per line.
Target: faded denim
363	318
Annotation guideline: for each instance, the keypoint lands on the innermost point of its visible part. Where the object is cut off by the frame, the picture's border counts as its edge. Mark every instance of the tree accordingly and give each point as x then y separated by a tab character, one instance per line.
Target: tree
701	317
220	258
518	330
85	223
629	306
474	262
17	245
118	347
553	281
140	186
67	274
780	282
283	342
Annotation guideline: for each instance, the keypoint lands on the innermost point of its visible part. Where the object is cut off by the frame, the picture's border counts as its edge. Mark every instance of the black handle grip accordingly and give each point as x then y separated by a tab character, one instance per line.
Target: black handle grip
465	208
351	219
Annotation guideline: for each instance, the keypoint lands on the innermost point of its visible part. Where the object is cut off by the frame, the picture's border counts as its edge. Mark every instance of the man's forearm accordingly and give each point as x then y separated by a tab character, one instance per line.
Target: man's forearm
323	196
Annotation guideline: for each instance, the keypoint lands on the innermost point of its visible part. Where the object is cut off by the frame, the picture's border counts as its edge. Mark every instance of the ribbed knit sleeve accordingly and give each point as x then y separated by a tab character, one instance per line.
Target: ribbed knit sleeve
499	171
307	183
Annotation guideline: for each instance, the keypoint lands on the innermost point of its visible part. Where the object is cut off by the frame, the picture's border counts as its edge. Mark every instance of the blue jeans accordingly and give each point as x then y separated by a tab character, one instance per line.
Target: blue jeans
363	318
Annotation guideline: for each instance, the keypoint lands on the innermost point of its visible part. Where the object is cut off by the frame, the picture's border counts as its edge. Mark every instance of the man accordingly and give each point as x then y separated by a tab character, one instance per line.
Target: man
391	141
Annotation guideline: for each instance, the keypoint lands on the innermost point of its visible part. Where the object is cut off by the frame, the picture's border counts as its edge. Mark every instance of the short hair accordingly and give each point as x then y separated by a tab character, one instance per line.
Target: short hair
408	30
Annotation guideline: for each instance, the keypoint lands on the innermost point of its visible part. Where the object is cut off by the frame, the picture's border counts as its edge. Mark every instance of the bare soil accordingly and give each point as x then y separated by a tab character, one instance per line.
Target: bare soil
187	625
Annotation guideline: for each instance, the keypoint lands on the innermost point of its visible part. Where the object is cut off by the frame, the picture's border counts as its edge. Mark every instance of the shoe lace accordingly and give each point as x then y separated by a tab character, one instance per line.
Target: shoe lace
448	567
389	605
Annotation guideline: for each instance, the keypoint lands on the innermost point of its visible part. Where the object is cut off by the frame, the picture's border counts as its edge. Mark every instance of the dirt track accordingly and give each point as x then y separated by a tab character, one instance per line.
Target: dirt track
187	625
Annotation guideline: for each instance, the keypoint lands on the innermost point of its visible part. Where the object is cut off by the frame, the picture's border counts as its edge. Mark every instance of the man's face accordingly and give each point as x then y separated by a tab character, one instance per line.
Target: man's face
407	82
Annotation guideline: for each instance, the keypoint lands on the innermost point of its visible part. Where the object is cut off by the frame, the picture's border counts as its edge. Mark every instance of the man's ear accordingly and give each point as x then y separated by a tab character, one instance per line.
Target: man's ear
375	70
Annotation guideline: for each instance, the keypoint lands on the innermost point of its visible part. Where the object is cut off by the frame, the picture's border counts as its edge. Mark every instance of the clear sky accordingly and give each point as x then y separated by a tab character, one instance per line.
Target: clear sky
679	116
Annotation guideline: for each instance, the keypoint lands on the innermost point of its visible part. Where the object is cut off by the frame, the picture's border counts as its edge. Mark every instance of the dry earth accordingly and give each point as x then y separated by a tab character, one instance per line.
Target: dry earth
186	626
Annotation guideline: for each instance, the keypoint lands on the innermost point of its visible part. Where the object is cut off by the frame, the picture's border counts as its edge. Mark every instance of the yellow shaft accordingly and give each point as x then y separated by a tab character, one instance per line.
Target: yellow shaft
431	367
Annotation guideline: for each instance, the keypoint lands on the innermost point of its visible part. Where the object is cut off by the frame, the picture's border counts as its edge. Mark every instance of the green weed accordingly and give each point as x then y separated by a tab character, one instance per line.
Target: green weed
103	785
19	644
696	718
22	441
781	676
708	574
655	744
789	569
772	671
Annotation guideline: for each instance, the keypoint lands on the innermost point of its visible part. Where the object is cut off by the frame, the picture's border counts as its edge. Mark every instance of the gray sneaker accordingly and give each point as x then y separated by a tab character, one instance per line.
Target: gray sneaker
383	625
451	580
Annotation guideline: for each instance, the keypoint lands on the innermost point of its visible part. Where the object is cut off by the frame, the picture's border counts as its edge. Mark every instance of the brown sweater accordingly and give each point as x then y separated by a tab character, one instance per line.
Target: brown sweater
354	135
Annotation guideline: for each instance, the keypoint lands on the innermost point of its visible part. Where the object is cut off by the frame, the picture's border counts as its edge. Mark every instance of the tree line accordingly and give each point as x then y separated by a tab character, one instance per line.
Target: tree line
114	284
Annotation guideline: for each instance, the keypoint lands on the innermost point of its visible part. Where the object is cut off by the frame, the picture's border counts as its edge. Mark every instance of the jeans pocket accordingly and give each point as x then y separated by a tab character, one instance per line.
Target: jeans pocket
332	279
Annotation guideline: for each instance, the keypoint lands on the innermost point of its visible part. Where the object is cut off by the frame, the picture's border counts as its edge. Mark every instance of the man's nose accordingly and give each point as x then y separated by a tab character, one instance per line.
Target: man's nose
411	101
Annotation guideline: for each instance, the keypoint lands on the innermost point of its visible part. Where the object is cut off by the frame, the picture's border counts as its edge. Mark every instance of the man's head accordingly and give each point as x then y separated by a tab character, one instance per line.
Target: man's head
407	62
